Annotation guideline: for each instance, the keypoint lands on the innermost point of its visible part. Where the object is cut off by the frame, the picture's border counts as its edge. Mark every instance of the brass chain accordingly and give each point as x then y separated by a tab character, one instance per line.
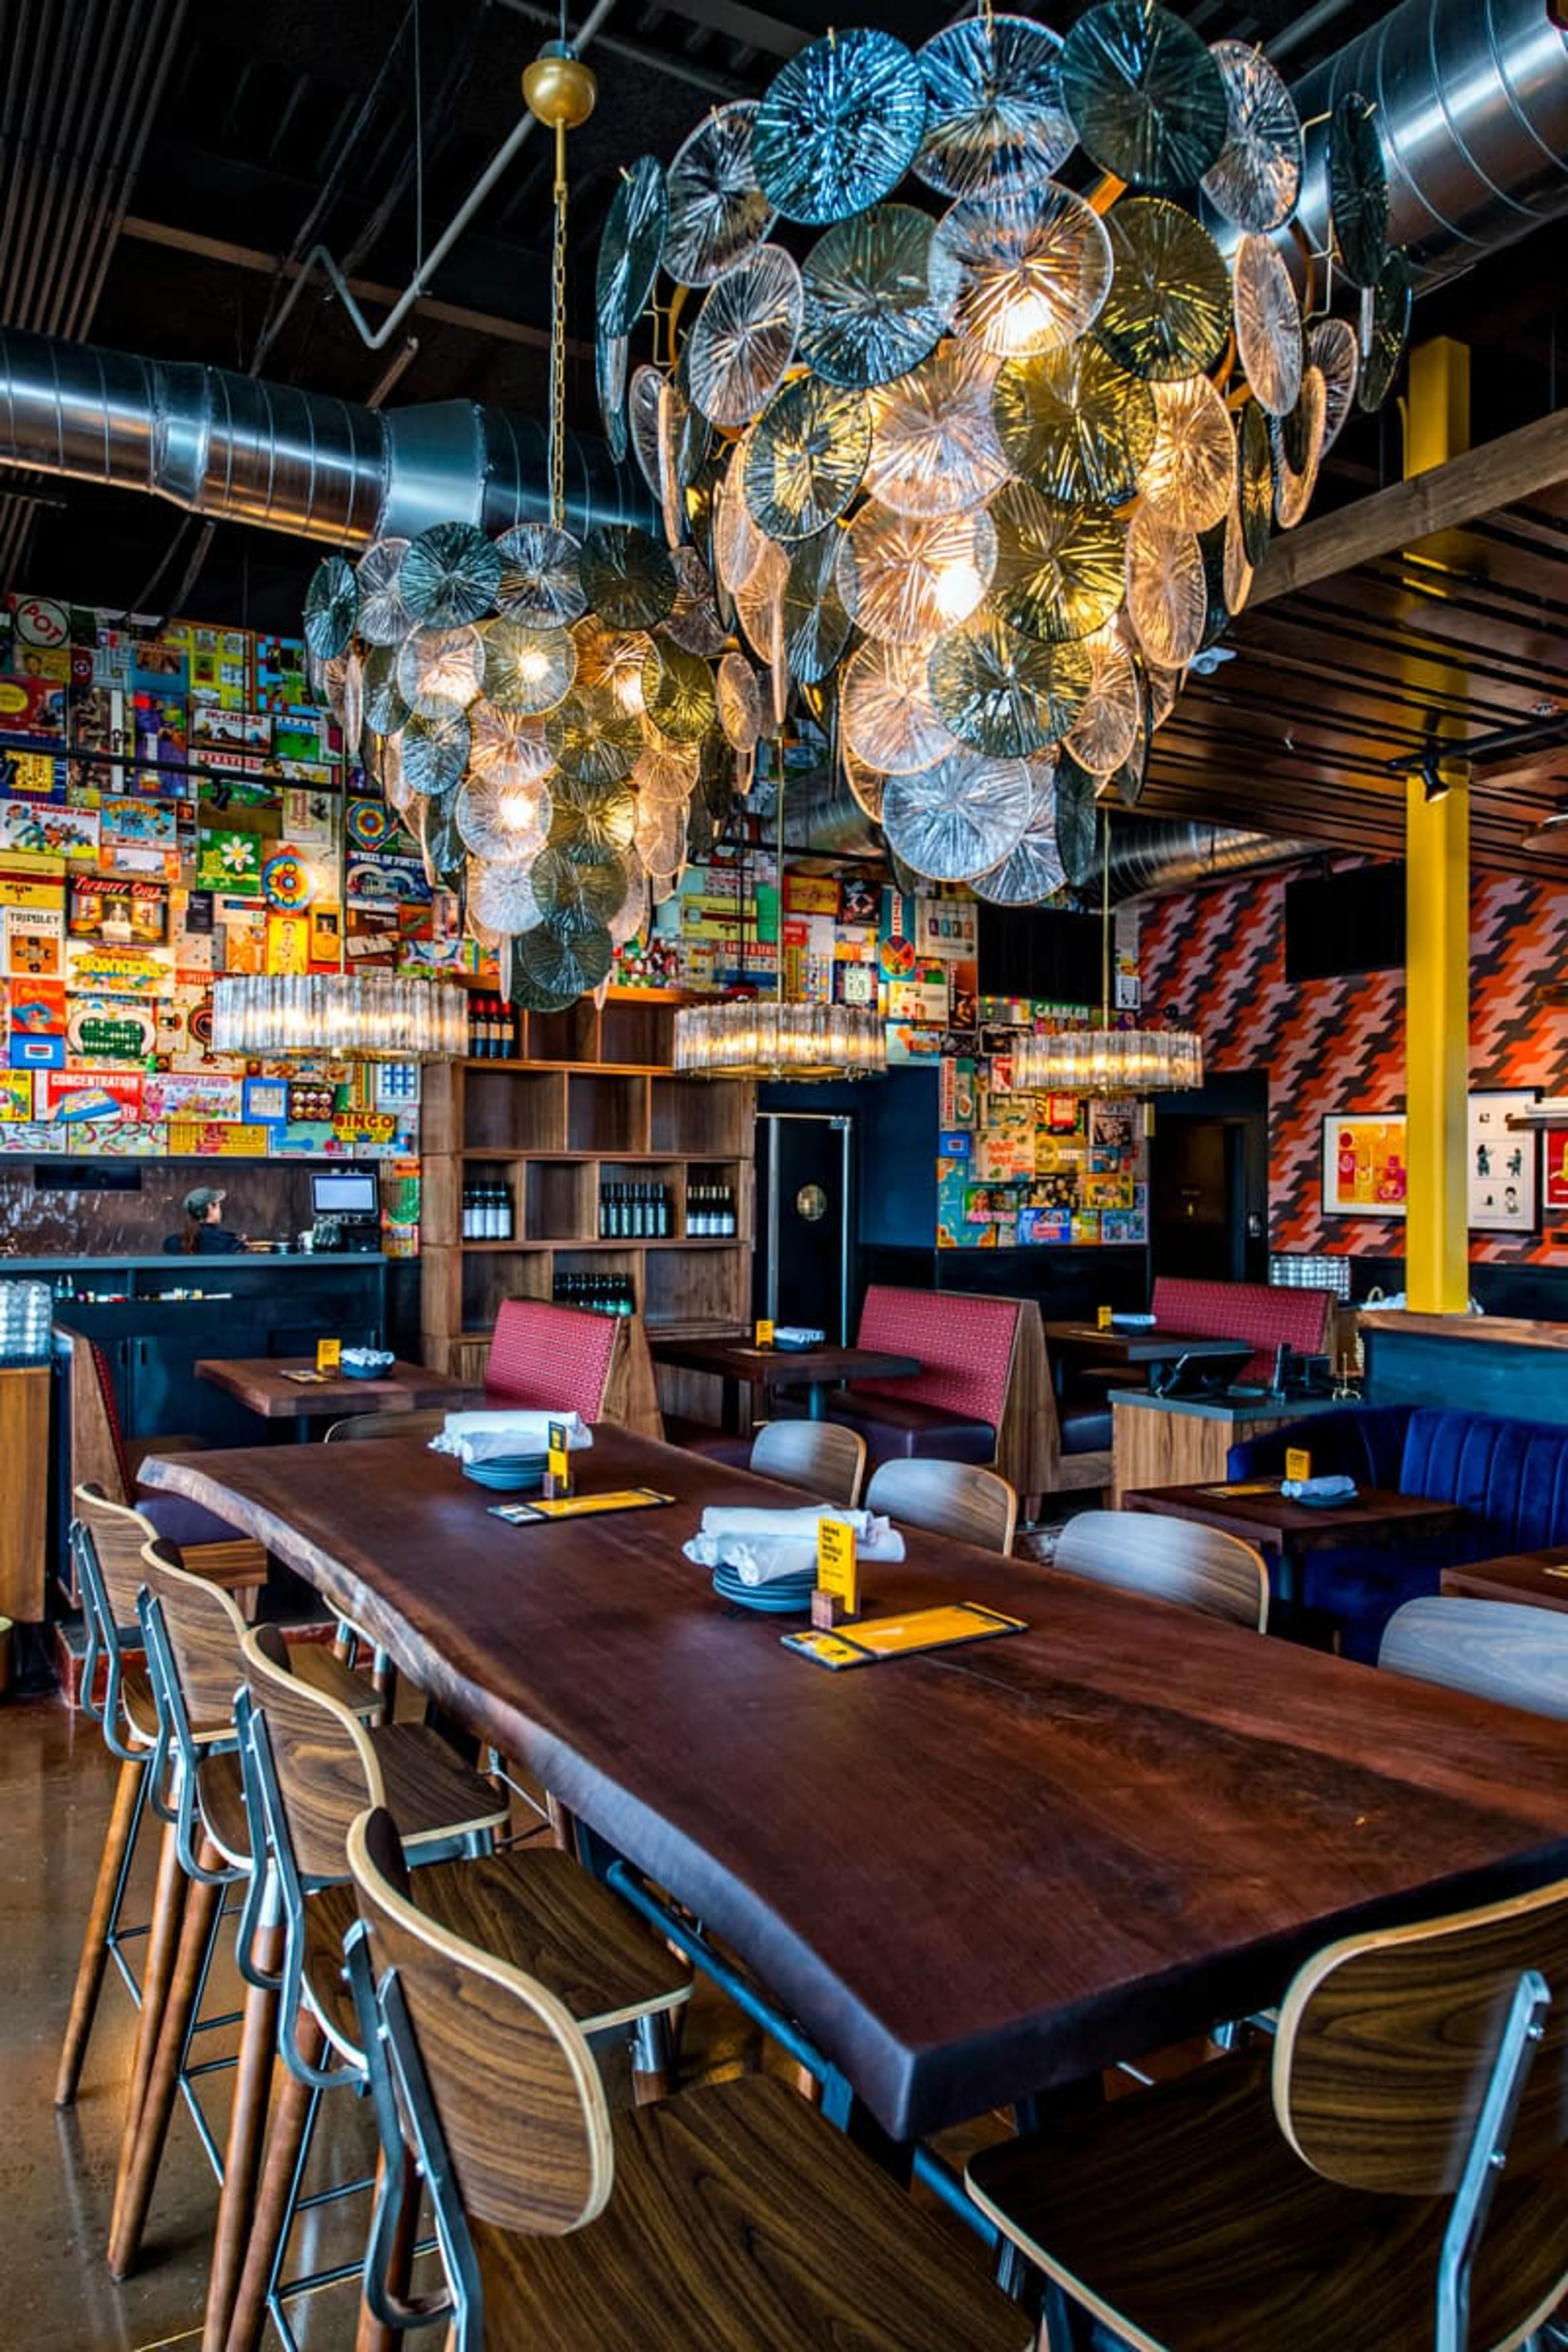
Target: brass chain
558	341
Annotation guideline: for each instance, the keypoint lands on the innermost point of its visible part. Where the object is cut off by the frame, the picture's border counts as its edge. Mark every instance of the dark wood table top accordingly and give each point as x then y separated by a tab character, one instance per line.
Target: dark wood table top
259	1382
1377	1513
1144	1345
972	1875
1537	1578
737	1359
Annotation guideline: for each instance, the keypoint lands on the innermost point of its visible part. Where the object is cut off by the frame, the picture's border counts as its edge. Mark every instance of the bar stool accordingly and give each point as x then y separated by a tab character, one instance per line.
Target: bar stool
192	1630
313	1768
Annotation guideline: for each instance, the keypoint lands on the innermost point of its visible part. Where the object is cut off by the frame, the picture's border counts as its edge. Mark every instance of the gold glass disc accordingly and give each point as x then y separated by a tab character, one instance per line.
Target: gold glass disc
1003	693
1059	570
1168	311
1189	476
1075	423
806	457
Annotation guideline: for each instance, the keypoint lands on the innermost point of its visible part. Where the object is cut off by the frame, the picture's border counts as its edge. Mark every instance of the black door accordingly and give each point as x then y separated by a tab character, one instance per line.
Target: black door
1208	1186
804	1194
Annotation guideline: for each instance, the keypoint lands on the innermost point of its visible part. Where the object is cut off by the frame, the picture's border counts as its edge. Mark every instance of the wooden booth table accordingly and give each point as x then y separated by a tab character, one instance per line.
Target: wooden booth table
969	1876
1538	1579
1255	1509
742	1366
1145	1344
264	1385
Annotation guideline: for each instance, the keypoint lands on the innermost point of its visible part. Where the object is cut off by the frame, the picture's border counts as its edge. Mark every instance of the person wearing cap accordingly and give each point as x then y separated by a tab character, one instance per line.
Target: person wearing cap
202	1234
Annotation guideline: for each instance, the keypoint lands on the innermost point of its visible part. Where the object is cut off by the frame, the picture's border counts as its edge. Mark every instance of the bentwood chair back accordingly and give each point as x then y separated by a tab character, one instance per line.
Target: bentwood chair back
423	1423
825	1458
948	1498
1168	1560
1410	2064
1503	1650
731	2215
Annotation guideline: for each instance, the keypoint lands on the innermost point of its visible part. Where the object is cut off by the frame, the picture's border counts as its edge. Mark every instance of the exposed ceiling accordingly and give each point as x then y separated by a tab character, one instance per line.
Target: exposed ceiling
164	170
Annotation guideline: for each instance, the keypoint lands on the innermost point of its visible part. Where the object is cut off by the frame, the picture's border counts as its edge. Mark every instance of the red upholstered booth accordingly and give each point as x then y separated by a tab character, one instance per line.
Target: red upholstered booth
564	1360
1258	1311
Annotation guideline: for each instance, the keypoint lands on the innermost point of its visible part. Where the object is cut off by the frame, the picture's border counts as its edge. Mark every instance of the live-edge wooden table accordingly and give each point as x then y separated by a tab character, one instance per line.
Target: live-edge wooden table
970	1876
263	1384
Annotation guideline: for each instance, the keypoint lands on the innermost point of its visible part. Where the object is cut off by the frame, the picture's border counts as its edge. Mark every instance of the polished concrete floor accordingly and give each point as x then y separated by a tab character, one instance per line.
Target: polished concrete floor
57	2166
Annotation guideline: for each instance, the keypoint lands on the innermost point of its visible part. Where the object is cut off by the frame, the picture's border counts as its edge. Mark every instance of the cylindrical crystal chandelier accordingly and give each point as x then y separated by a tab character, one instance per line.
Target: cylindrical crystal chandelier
368	1016
759	1038
1109	1062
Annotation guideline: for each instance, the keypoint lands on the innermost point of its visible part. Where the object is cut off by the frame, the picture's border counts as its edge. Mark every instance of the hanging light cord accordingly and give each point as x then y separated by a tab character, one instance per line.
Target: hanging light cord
558	341
1104	921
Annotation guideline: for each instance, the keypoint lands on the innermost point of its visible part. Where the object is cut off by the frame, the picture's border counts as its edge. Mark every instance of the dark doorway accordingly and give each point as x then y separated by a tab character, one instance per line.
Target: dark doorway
1209	1181
805	1191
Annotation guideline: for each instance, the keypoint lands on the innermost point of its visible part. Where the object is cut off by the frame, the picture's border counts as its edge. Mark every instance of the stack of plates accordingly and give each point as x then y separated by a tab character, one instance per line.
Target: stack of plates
784	1596
507	1473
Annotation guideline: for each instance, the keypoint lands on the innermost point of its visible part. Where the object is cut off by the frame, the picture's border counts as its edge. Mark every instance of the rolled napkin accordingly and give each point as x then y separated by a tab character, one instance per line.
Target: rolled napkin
1333	1487
493	1436
763	1546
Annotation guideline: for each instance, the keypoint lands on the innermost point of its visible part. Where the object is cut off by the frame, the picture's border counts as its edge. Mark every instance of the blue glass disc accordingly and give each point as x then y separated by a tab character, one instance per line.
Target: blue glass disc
630	247
839	127
1146	95
994	119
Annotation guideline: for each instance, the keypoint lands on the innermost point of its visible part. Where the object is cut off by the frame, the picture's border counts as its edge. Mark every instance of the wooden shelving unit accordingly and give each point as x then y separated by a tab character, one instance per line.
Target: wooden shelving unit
594	1101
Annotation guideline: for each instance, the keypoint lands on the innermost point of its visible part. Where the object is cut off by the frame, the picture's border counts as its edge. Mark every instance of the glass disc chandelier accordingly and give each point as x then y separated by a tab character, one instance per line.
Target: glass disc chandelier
1107	1060
777	1037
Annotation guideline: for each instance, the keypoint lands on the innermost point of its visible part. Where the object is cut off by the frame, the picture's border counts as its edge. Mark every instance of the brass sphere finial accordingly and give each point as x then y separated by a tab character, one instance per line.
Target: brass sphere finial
558	88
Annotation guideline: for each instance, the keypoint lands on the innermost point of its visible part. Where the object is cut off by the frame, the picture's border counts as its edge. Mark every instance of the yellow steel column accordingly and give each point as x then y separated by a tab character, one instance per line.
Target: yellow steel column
1437	920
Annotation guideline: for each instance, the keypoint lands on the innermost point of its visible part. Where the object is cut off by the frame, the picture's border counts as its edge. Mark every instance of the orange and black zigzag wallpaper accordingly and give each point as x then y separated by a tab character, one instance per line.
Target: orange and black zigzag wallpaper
1213	960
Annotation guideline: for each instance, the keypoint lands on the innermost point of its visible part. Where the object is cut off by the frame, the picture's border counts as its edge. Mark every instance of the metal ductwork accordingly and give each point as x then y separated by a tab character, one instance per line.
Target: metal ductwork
1472	105
1176	855
237	449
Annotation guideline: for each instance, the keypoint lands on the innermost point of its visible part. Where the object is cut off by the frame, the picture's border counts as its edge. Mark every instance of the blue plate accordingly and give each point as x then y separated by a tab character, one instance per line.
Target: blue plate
367	1372
509	1474
789	1599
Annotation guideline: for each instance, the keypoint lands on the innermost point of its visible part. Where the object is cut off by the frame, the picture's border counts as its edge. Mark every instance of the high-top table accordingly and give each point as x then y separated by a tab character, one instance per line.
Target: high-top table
971	1875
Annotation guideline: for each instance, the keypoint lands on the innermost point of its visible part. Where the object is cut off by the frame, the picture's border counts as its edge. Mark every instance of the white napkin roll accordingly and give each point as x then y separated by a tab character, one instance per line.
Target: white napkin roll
761	1545
489	1436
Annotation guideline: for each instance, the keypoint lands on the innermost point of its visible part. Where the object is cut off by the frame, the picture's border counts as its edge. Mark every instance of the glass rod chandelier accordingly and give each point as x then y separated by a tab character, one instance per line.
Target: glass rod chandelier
367	1015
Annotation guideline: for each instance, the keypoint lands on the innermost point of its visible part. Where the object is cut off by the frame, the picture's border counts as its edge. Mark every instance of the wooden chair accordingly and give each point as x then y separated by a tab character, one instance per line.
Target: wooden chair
1168	1560
427	1423
825	1458
949	1498
1337	2191
316	1768
193	1630
100	1455
1497	1649
566	1359
732	2215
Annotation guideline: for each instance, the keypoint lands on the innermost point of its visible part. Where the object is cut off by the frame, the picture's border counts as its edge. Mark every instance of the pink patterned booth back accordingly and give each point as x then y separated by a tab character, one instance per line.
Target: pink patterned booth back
1263	1312
965	1346
554	1358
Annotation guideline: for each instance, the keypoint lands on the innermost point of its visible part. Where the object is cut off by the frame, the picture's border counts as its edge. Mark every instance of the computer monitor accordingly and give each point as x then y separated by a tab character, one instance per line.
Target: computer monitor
346	1192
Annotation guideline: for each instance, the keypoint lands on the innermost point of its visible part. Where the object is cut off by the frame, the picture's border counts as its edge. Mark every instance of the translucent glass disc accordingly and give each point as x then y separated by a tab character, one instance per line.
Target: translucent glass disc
1059	569
1105	729
591	739
887	712
630	247
909	578
806	457
1256	179
501	895
1268	325
449	575
745	336
1003	693
383	618
677	693
1144	95
1389	332
1255	482
1167	594
717	211
879	292
592	823
739	703
435	752
562	964
693	620
501	819
994	119
506	746
1030	872
954	820
1034	268
440	669
331	607
1168	311
839	127
527	670
540	581
666	772
934	446
1332	346
816	624
1299	449
626	576
1358	188
1190	474
385	708
1075	423
738	544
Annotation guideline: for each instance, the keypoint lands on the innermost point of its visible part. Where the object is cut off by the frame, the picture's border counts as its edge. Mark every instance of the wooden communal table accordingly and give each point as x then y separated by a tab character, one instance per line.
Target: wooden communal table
262	1383
1540	1579
816	1369
1376	1514
971	1875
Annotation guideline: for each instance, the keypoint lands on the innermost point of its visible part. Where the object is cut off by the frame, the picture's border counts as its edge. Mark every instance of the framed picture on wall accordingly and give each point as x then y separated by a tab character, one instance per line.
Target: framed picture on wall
1364	1164
1500	1164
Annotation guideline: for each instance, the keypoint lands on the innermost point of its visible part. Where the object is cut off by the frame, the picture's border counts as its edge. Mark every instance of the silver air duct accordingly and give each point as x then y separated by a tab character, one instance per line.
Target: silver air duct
237	449
1173	854
1472	105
